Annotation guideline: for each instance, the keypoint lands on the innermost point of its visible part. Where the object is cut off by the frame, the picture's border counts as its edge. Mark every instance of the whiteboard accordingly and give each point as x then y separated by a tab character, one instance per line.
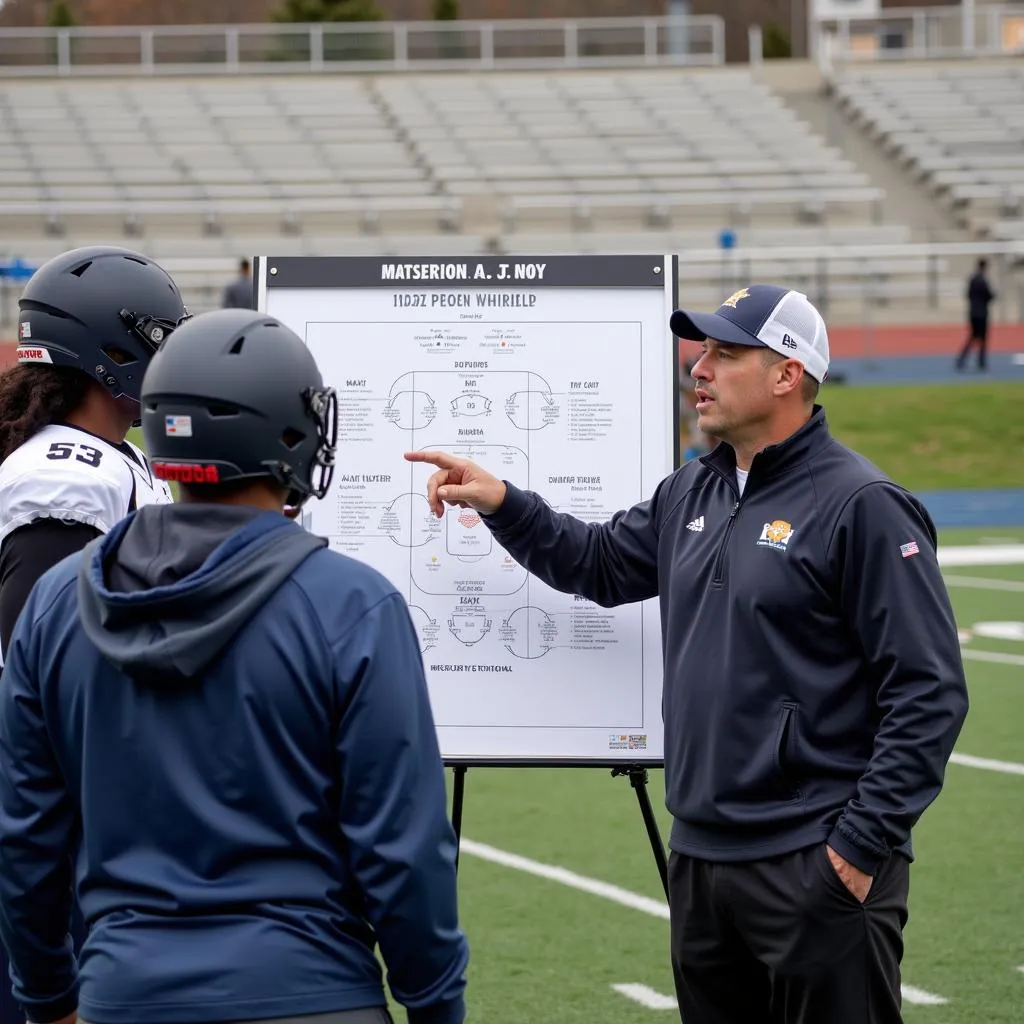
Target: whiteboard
557	373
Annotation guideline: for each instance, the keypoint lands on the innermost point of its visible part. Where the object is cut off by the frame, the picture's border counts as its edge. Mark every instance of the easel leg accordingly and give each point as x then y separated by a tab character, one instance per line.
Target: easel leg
458	794
638	780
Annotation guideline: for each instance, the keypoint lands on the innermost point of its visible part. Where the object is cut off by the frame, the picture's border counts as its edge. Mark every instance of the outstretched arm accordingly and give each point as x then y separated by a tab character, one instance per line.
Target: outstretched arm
610	563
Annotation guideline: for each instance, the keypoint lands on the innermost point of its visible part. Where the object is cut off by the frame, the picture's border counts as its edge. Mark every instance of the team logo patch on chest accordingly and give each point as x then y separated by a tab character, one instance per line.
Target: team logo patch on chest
776	534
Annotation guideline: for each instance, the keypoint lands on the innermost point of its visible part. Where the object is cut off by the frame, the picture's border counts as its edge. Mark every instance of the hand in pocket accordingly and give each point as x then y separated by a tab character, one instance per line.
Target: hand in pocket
853	878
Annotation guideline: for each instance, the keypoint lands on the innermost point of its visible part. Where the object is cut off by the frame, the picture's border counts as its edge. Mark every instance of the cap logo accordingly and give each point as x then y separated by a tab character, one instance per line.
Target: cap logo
743	293
788	342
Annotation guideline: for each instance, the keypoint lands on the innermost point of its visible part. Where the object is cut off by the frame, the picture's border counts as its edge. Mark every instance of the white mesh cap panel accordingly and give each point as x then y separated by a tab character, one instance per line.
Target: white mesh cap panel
796	330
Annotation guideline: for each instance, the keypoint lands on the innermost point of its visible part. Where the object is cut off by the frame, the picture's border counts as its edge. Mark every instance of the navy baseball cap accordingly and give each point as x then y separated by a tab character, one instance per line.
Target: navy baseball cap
765	315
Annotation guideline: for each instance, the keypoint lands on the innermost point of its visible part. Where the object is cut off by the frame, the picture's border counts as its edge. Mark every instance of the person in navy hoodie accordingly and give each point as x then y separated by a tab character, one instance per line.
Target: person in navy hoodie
219	732
814	686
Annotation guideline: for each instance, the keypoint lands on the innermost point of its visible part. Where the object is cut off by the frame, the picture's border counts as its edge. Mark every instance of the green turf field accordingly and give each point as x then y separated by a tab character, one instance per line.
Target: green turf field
543	950
931	437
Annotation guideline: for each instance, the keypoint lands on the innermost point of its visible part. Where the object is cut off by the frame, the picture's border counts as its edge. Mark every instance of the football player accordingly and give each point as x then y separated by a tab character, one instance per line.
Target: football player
89	321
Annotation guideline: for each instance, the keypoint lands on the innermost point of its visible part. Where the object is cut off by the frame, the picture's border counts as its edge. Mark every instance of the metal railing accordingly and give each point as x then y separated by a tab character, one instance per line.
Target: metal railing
920	33
913	278
379	47
893	34
861	284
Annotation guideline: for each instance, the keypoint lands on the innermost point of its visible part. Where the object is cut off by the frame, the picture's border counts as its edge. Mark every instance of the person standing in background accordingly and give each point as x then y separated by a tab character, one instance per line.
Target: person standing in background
238	294
979	296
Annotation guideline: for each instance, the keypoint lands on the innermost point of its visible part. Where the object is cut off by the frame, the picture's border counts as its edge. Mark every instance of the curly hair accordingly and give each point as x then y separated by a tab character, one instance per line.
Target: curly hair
33	396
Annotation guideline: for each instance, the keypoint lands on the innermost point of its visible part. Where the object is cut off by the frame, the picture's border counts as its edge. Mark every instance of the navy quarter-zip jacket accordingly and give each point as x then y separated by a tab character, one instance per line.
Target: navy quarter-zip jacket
813	683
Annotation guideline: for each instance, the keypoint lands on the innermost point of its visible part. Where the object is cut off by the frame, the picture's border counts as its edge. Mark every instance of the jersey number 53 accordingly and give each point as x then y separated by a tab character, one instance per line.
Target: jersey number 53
64	450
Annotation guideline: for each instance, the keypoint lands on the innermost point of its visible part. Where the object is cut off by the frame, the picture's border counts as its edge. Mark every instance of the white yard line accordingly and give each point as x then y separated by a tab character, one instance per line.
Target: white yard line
996	657
987	764
919	997
983	583
646	996
982	554
634	901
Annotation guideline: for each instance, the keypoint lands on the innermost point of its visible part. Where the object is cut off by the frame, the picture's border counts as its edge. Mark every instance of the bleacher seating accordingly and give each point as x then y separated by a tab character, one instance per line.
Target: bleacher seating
442	154
959	126
197	171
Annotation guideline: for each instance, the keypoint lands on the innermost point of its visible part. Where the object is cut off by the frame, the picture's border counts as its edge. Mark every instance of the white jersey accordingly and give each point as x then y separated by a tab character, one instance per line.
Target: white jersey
64	472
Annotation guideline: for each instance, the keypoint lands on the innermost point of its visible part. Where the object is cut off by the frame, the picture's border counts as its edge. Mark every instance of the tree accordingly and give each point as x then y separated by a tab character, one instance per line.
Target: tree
314	11
446	10
775	43
60	15
449	41
339	46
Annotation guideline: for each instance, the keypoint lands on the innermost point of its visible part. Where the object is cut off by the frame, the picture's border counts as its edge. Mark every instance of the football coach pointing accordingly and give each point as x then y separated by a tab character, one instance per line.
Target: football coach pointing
814	687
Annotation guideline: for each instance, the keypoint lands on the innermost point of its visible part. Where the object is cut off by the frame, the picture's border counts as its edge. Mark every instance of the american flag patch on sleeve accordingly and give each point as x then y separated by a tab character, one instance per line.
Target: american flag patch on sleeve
911	548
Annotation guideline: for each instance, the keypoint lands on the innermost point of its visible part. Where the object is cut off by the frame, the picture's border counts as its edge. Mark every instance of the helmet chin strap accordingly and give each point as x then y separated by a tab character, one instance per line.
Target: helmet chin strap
297	494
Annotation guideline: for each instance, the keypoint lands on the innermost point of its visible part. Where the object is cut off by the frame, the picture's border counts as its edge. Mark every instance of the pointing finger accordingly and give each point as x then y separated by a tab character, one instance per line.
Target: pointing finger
435	458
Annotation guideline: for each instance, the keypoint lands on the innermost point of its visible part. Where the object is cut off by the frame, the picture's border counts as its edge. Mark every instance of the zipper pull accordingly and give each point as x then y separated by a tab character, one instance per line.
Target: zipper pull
735	509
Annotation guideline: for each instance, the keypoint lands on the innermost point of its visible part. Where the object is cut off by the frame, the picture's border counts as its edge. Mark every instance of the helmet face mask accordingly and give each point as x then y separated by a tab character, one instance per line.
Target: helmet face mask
150	330
323	404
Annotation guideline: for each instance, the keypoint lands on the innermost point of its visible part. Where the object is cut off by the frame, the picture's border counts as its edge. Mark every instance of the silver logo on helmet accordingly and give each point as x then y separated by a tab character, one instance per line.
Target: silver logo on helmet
156	335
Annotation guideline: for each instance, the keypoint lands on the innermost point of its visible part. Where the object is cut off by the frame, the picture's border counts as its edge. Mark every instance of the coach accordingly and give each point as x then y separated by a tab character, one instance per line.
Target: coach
814	687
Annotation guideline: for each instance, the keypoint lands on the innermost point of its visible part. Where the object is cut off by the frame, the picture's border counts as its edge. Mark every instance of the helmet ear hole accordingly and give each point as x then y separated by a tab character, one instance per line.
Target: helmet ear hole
292	438
118	355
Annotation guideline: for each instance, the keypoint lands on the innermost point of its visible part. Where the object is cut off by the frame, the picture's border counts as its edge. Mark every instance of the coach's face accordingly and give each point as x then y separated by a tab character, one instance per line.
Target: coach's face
733	389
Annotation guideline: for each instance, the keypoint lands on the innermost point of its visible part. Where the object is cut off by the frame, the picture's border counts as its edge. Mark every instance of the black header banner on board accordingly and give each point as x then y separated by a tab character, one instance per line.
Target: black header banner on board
603	272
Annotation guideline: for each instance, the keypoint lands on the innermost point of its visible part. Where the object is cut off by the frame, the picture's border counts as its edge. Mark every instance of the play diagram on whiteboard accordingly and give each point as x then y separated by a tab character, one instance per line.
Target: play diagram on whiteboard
514	400
553	373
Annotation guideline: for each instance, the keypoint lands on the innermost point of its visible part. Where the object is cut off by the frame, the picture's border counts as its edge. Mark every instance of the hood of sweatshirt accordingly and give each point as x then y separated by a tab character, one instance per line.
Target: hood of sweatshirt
170	586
